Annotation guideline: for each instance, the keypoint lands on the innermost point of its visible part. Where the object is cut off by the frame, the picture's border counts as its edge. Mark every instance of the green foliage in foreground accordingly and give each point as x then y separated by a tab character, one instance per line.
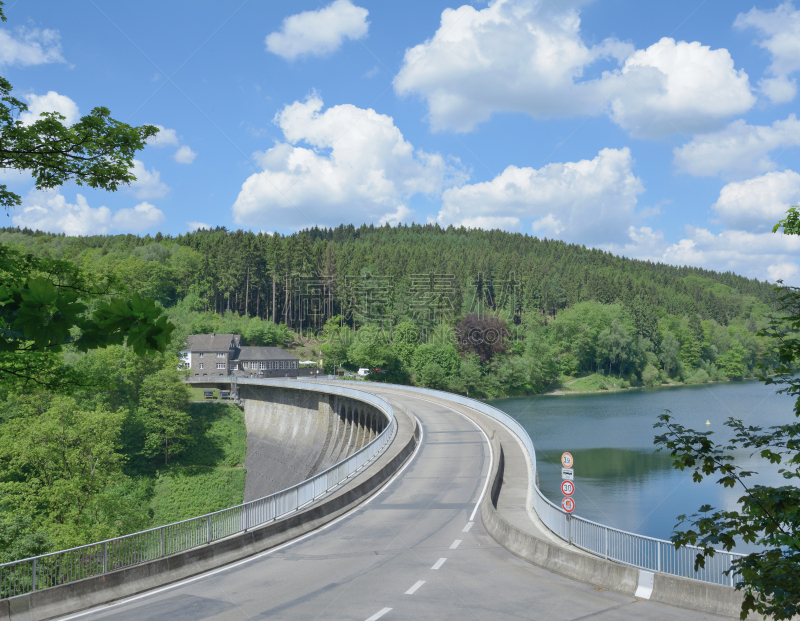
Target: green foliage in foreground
766	516
78	469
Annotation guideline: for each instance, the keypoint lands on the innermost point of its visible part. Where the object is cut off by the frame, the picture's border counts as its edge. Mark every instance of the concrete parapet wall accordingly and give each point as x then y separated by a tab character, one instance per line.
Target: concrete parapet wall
667	589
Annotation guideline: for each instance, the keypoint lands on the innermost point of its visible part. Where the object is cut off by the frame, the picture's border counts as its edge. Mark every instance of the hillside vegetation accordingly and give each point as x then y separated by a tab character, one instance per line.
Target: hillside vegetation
426	304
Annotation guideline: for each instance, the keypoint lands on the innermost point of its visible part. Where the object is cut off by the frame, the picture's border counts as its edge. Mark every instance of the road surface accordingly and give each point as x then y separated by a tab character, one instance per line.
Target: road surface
410	553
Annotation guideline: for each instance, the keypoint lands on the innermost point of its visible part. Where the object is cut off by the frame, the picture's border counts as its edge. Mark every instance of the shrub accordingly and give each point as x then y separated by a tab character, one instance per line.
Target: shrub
698	377
651	375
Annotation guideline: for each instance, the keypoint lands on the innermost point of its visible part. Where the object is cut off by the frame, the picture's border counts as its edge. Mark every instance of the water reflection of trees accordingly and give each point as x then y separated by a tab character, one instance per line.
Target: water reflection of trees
611	463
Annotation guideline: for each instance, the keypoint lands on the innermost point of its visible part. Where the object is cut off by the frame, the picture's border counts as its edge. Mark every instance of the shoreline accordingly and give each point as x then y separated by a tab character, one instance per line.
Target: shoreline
560	392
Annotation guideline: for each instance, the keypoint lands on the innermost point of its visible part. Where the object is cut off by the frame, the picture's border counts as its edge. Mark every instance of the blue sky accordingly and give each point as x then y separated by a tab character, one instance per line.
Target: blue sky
662	131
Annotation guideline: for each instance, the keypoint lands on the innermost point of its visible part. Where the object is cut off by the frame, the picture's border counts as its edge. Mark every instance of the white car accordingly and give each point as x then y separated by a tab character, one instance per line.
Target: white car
363	372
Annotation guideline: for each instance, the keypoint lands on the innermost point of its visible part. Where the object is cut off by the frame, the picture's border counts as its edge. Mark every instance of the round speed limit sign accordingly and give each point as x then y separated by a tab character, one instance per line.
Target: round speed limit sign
568	504
566	460
567	488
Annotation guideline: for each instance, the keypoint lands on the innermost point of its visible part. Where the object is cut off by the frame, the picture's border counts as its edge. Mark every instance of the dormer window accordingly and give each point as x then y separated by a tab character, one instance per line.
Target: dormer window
220	354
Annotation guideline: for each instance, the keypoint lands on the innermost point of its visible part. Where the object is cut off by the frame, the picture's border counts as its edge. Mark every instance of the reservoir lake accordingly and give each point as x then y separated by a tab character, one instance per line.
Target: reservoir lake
620	480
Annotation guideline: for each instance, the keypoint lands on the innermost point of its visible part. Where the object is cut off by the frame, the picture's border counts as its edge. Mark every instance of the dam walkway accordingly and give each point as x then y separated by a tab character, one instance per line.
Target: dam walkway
416	549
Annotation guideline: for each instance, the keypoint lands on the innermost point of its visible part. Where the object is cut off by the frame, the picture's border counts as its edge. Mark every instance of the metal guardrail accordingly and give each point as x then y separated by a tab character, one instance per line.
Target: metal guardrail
640	551
48	570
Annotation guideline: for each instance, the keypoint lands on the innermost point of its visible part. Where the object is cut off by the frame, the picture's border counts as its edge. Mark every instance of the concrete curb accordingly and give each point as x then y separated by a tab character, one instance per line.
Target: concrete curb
666	589
83	594
673	590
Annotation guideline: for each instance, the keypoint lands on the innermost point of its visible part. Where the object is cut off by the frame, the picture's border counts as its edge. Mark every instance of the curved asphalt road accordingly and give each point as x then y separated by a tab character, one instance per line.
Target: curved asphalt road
411	553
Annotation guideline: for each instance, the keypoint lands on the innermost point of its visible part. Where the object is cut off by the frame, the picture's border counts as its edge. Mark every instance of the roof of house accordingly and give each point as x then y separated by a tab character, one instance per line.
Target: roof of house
264	353
213	342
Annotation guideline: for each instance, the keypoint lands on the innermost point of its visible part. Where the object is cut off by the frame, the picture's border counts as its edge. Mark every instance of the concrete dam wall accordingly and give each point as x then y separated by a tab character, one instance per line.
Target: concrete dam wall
295	434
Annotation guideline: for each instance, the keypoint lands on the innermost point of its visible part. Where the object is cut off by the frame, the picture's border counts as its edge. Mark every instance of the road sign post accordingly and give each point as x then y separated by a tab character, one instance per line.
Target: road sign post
568	487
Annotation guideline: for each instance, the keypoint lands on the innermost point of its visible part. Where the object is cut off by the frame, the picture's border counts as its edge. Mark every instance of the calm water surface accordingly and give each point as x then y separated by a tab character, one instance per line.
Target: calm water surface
619	479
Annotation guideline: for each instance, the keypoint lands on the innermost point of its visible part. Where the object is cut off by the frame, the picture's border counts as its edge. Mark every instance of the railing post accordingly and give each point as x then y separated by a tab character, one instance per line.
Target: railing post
105	557
246	518
658	543
162	541
208	529
606	532
33	576
569	528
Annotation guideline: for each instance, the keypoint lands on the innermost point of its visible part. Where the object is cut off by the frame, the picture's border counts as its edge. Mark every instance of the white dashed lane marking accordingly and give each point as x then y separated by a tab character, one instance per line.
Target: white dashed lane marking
467	527
379	614
438	563
417	584
455	544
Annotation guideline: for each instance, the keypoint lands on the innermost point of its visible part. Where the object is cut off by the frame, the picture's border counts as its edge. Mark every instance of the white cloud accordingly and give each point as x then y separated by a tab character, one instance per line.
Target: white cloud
548	226
142	217
30	47
528	56
780	29
321	32
358	167
678	87
14	176
783	271
148	183
755	255
51	102
169	138
164	138
510	56
402	214
50	211
779	89
590	201
758	203
184	155
195	226
739	148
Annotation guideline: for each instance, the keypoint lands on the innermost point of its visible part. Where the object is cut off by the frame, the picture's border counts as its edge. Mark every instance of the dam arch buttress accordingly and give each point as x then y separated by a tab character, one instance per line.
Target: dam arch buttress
294	434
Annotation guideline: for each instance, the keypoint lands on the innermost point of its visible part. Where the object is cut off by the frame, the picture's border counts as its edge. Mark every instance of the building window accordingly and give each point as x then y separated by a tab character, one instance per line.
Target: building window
262	365
201	365
220	365
220	354
200	355
234	367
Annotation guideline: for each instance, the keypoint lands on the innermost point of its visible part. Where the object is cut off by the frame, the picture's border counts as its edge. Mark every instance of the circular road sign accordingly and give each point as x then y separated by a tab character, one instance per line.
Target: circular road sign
566	460
568	504
567	488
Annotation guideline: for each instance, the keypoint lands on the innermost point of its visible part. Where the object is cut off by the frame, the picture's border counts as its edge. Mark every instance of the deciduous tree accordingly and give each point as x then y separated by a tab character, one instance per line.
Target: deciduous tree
766	516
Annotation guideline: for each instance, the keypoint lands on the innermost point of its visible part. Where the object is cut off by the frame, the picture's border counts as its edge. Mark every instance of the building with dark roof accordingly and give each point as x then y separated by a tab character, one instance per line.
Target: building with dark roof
213	356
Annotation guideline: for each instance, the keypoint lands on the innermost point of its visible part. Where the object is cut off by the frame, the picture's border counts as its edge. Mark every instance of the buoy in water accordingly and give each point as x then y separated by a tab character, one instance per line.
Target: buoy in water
708	422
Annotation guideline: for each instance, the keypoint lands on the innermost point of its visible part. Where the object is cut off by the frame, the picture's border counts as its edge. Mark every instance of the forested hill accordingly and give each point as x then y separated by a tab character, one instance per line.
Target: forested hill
468	269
